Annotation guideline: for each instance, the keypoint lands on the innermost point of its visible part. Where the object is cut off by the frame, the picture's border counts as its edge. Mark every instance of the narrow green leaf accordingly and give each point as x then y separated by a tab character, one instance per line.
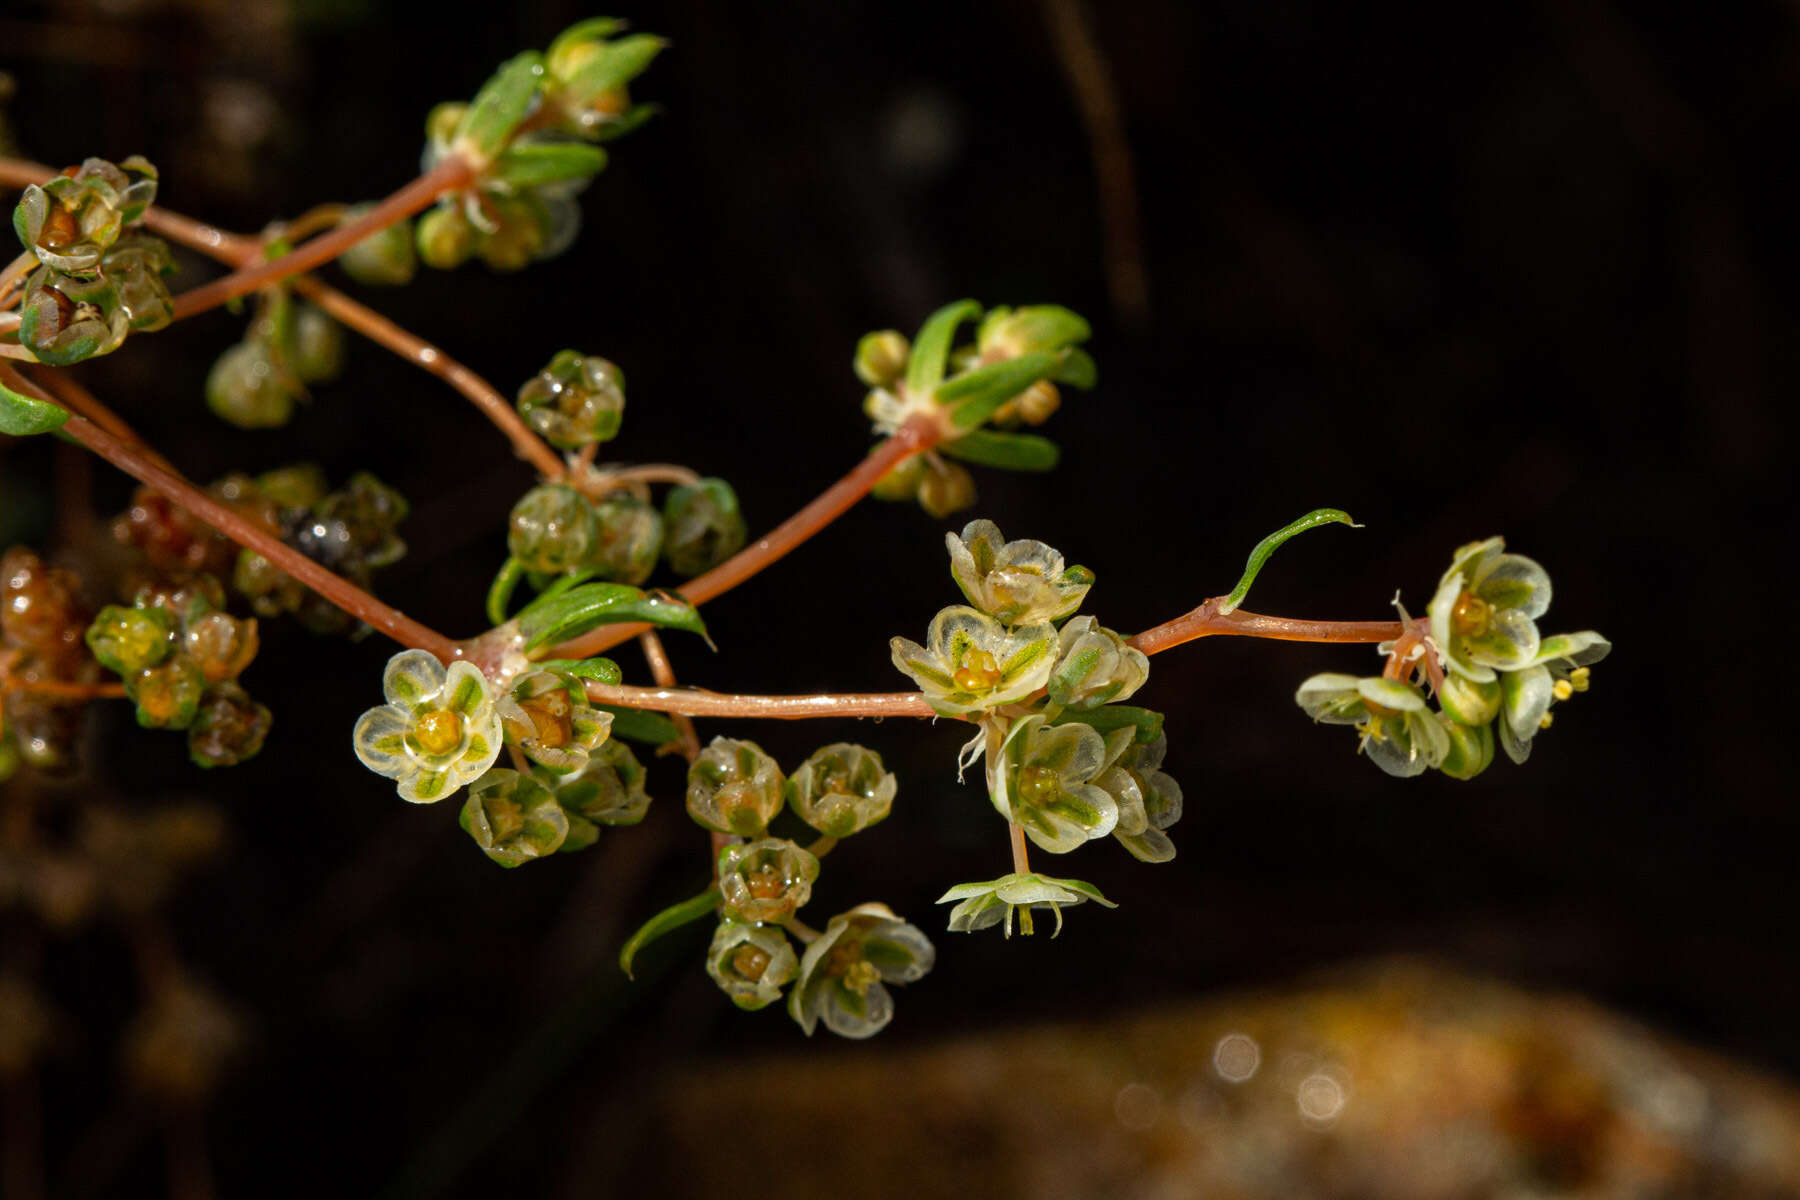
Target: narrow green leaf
616	65
1108	717
1268	546
974	397
501	105
931	349
641	725
556	617
1077	369
584	31
600	670
22	415
533	164
1011	451
500	592
669	919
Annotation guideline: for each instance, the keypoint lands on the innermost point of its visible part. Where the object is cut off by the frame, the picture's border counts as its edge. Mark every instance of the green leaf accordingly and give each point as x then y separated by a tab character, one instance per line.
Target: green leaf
1268	546
974	397
1011	451
1108	717
600	670
641	725
616	65
592	29
22	415
1077	369
931	349
533	164
624	123
501	105
557	617
500	592
693	909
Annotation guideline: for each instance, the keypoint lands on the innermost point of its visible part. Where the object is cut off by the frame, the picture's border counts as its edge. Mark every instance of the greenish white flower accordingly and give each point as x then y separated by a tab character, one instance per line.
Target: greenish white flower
766	880
751	963
986	904
1484	613
513	818
1399	733
574	400
1557	671
608	790
1149	800
734	787
1043	780
1094	666
844	973
972	662
438	731
1018	583
552	528
842	789
548	717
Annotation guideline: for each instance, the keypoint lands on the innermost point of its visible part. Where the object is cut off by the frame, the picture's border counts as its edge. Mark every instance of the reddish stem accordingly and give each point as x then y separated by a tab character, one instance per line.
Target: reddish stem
695	703
916	435
1208	621
448	175
664	674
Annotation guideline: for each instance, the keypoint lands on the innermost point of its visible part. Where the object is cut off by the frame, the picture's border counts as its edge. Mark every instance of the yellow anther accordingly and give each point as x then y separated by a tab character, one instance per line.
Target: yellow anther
439	732
861	975
1562	689
1578	679
979	673
1544	721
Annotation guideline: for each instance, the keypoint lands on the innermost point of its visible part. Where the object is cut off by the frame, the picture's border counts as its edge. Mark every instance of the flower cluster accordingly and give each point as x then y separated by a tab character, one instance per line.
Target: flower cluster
41	619
100	278
976	395
555	528
352	531
180	654
1490	667
1066	761
531	134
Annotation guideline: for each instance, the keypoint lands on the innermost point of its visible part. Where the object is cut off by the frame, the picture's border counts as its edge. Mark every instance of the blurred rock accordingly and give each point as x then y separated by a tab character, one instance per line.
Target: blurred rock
1398	1080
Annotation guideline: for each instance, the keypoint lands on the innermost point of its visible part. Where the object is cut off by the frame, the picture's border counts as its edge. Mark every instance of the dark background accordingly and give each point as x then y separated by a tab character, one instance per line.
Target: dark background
1527	270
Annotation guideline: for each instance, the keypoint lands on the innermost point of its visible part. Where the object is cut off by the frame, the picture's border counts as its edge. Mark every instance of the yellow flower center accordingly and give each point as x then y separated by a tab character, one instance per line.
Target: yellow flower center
749	962
766	883
860	976
1038	785
439	732
979	672
1578	679
1470	616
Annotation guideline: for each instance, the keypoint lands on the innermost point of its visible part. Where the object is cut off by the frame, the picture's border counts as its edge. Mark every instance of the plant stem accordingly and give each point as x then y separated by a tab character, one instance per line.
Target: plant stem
452	173
596	483
73	396
828	506
1021	859
664	674
334	588
14	273
696	703
1207	621
62	689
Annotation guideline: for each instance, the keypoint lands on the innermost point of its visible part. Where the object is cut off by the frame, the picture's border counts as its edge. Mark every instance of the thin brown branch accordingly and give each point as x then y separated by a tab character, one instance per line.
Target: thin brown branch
71	395
664	674
1208	621
595	482
448	175
827	507
696	703
62	689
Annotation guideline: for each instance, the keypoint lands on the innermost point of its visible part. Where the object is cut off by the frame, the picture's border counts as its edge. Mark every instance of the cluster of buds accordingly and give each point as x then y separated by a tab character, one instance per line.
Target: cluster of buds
575	401
532	135
555	528
41	619
180	654
289	344
1485	660
352	531
99	277
978	394
172	541
1066	761
735	788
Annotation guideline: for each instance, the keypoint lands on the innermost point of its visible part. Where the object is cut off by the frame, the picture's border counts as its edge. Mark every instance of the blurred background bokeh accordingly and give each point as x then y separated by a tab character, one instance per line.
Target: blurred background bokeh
1522	269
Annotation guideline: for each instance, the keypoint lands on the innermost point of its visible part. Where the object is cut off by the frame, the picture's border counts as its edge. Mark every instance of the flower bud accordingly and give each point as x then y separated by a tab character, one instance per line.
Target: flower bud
248	387
574	400
751	963
220	645
521	233
513	818
64	319
1095	666
1010	332
734	787
945	488
317	347
128	640
1469	701
384	259
767	880
138	265
610	789
702	526
167	696
229	728
842	789
881	357
445	238
631	538
552	529
1471	749
902	480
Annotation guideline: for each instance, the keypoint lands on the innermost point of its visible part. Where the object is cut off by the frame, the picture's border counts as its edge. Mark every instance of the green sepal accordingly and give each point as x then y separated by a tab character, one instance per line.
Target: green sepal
500	106
1268	546
22	416
616	64
1147	722
500	592
600	670
641	725
587	30
975	397
1010	451
561	616
931	349
694	908
1077	369
534	164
